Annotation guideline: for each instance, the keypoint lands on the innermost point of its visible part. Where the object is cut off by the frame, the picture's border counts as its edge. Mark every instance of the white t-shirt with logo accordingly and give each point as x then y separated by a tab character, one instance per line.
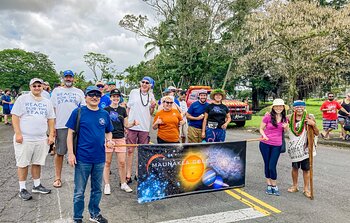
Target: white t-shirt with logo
65	100
33	116
139	105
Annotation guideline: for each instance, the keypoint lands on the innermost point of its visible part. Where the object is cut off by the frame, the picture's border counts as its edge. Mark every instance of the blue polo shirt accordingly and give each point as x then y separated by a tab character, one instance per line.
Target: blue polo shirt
105	101
196	109
92	129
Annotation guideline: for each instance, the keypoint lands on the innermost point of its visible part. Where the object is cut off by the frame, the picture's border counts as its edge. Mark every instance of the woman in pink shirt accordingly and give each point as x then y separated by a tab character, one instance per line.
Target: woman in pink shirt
271	129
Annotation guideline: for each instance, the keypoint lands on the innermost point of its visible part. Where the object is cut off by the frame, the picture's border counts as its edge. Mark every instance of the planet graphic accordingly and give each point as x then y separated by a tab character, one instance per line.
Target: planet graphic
219	183
192	168
209	177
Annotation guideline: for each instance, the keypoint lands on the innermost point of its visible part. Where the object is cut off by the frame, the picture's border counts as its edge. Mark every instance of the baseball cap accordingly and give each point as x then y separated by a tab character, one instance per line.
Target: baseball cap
115	92
111	83
172	88
68	73
32	81
91	89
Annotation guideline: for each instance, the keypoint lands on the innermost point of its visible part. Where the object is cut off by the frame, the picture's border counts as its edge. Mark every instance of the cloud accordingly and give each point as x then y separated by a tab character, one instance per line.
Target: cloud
66	30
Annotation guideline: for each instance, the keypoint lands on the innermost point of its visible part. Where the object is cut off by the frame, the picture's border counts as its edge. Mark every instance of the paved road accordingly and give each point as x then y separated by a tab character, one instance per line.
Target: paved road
331	204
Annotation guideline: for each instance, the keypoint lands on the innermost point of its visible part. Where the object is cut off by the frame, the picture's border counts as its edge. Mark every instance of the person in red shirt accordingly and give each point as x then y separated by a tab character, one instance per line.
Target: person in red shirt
329	116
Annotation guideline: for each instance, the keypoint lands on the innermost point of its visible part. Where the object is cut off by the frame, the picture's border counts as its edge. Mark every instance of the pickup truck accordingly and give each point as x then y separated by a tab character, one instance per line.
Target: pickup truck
239	111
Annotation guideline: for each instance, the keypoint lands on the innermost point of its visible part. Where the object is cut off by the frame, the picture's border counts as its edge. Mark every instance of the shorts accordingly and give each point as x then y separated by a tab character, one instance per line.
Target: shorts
137	137
162	141
117	149
304	164
6	111
28	153
194	135
215	135
329	124
61	141
184	130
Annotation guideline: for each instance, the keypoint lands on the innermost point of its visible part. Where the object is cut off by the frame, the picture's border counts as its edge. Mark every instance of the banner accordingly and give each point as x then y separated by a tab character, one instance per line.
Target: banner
168	170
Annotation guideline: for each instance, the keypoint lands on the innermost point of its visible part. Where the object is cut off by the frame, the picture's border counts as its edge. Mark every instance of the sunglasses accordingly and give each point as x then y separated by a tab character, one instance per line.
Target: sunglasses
100	86
94	94
168	102
144	82
36	86
331	96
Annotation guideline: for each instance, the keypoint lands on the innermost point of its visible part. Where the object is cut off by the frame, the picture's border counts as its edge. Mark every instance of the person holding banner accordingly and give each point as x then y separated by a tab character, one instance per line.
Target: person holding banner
271	128
298	151
167	121
119	120
216	118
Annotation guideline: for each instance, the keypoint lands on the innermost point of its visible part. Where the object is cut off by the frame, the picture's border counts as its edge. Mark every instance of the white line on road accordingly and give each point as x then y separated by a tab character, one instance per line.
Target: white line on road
222	217
59	203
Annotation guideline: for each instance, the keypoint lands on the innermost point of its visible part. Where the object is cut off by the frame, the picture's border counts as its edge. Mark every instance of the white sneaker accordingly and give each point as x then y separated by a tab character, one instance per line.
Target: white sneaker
125	187
107	190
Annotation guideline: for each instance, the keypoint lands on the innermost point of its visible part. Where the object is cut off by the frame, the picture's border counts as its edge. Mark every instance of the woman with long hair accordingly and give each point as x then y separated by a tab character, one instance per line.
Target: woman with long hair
271	128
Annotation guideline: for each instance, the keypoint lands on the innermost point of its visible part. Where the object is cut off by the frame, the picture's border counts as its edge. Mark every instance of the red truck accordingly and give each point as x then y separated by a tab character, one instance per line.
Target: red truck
239	110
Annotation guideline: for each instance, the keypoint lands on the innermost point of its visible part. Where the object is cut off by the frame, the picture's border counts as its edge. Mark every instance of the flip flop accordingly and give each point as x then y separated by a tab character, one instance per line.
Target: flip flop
293	189
57	183
307	194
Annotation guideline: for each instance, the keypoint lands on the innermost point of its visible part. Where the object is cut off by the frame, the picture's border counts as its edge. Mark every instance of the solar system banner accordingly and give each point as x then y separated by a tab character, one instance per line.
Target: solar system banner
168	170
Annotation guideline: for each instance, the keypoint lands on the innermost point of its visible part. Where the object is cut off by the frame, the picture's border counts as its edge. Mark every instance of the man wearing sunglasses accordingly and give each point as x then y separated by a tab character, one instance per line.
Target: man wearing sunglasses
64	100
95	132
32	115
329	109
141	106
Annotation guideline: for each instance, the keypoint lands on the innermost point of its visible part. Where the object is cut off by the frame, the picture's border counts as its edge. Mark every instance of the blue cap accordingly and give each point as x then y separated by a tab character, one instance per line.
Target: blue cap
91	89
150	80
166	90
68	73
299	103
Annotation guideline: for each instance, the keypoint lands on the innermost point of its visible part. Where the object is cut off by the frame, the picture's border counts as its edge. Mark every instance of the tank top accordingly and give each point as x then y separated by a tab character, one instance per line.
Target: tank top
346	107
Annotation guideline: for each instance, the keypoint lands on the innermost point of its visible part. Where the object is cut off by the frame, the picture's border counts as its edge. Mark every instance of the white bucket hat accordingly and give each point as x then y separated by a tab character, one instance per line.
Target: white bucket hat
278	101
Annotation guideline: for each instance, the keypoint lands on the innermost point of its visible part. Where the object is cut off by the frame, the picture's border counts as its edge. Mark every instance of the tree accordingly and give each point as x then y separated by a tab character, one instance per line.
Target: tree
100	65
17	67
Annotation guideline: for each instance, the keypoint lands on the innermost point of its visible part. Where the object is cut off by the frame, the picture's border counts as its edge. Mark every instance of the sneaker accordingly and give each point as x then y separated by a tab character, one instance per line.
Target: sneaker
107	189
25	195
41	189
269	190
98	219
125	187
275	191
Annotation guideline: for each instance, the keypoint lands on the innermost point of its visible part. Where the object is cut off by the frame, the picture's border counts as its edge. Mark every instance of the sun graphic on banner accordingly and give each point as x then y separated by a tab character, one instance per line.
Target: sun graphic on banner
192	170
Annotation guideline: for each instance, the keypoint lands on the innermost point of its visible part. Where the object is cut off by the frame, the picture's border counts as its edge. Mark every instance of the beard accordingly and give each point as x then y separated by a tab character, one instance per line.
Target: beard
68	83
331	99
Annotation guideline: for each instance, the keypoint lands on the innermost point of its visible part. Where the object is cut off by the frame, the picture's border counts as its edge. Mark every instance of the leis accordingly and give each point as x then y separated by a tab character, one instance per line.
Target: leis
292	124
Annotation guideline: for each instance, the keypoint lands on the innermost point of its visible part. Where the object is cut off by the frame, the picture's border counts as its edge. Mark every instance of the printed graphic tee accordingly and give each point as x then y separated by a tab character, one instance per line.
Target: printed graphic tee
216	114
117	116
333	106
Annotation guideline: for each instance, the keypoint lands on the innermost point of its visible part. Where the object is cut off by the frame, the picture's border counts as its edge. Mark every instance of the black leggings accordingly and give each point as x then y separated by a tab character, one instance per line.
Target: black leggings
161	141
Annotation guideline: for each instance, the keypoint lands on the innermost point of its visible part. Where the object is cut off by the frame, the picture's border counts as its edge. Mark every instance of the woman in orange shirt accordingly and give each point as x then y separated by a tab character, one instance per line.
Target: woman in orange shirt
167	121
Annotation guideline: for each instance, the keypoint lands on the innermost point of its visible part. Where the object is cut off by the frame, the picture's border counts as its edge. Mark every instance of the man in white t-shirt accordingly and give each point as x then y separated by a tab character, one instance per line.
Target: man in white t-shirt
64	100
32	115
184	108
141	106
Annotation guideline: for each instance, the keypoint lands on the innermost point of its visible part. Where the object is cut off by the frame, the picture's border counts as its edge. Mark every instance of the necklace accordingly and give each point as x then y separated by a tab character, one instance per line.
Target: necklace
142	99
292	124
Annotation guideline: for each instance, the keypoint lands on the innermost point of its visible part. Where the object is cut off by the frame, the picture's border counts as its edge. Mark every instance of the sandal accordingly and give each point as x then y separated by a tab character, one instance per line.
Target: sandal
307	194
293	189
57	183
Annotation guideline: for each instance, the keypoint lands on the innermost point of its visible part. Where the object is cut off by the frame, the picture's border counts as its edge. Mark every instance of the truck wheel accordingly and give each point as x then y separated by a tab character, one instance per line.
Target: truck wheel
240	124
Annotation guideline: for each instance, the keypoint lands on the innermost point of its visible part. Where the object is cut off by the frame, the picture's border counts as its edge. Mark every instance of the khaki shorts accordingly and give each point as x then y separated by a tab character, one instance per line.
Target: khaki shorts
194	135
28	153
119	149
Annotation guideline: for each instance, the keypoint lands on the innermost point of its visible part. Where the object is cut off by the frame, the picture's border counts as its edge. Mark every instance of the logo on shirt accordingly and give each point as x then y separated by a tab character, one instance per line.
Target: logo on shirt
102	121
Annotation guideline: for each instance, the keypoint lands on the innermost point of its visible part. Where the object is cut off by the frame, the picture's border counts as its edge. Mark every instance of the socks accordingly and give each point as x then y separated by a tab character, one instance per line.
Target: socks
36	182
22	185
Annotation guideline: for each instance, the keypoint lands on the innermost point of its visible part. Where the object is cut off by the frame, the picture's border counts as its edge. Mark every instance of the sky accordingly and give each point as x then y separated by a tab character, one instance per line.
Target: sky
66	30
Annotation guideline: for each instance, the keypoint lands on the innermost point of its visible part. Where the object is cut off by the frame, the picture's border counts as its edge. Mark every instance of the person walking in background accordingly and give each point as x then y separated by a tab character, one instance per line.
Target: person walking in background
216	118
195	115
298	150
46	90
95	132
184	109
168	121
64	100
32	115
6	102
119	119
141	106
271	129
345	103
329	110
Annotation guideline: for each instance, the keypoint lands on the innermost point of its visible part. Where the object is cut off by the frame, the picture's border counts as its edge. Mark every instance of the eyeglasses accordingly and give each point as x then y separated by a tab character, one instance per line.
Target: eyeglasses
144	82
100	86
36	86
168	102
94	94
331	96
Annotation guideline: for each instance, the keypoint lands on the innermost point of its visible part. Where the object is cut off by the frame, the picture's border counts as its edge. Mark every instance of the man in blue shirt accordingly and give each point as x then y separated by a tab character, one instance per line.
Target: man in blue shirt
95	131
6	102
195	115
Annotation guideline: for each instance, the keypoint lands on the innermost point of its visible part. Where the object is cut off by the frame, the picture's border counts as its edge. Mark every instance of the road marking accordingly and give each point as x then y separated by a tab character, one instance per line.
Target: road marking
262	203
222	217
250	204
59	203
